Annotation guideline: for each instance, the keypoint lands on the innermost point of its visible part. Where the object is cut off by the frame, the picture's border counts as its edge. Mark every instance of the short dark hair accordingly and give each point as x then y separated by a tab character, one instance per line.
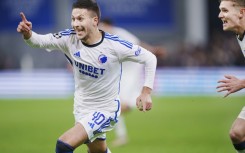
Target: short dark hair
88	4
239	2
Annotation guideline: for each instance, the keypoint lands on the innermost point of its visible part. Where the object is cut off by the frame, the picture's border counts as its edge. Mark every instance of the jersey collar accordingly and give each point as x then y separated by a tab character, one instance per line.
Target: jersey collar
98	43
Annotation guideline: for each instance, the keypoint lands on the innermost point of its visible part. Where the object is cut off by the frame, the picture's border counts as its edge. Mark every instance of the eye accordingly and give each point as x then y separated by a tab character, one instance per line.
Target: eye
79	18
224	10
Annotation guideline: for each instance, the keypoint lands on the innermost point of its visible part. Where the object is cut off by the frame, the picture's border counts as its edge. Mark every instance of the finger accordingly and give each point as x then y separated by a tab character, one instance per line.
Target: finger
144	106
148	109
24	26
222	81
137	102
23	17
226	95
221	86
224	89
228	76
148	106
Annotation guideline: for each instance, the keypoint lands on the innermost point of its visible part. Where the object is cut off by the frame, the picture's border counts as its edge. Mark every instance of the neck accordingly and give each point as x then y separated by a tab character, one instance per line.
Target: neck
94	37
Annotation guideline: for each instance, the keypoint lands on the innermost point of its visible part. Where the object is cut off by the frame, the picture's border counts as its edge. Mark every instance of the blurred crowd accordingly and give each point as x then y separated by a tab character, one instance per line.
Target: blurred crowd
221	50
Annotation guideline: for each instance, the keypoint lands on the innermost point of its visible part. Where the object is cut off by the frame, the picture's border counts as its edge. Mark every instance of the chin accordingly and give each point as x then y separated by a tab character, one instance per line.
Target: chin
226	29
80	37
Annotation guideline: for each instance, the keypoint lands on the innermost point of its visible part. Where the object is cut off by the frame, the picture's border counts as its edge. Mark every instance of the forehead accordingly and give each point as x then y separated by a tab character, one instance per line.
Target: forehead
226	4
80	12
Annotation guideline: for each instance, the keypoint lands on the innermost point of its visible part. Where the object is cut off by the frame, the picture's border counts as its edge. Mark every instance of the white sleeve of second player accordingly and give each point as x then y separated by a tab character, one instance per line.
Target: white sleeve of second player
143	56
47	41
150	70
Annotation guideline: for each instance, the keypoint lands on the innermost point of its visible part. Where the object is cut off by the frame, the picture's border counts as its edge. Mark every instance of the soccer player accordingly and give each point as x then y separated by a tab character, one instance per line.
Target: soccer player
131	82
232	14
96	57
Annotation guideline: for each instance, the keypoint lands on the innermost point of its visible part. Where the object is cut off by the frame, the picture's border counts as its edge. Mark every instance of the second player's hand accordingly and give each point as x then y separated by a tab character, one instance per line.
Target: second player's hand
231	84
144	102
24	27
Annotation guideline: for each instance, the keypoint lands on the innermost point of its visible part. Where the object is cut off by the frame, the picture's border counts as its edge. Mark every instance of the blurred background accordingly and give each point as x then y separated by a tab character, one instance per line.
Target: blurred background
189	116
189	30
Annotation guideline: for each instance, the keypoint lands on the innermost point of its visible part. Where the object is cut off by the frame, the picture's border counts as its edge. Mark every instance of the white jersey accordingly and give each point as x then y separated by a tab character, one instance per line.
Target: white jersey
242	45
97	68
131	80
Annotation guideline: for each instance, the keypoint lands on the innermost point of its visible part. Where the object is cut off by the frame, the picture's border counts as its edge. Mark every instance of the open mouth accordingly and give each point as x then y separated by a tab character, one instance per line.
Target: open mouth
224	21
79	31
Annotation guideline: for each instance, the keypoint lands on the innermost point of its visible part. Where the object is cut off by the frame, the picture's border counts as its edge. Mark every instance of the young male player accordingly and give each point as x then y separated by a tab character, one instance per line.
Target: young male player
232	14
131	82
96	57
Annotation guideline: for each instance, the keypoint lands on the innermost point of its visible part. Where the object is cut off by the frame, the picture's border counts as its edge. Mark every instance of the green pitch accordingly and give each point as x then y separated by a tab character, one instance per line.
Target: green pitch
174	125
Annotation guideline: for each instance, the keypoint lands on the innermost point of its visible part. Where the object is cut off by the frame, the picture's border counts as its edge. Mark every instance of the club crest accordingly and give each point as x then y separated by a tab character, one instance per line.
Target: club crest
102	59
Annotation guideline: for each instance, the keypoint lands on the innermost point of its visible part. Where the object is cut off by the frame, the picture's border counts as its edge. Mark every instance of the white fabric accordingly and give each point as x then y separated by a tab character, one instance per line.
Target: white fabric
132	74
97	68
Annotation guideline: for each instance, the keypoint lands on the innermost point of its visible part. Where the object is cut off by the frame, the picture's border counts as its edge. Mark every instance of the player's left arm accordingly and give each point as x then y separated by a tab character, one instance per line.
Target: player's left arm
141	55
231	84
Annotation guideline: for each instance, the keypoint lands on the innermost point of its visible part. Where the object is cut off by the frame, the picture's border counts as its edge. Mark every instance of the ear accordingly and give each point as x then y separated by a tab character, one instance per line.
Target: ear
96	20
242	11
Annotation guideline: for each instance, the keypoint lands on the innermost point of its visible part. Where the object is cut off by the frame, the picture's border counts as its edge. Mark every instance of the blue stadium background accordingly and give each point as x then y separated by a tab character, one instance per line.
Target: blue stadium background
198	52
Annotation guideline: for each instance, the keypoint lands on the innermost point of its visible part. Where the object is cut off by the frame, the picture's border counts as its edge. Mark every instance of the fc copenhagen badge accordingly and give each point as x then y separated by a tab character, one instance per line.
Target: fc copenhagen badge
102	59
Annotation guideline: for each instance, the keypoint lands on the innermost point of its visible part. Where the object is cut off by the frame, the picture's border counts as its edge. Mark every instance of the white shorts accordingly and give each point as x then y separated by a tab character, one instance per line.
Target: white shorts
97	123
242	113
131	83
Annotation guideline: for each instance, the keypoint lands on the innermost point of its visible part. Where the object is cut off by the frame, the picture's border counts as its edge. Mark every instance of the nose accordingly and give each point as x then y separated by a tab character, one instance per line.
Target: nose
74	23
220	15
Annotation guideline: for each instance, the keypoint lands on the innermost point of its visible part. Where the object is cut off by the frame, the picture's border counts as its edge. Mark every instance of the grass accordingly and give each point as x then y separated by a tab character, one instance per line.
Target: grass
174	125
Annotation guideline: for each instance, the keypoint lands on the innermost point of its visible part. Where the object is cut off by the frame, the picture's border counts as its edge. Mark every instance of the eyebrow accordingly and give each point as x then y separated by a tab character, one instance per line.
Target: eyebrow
77	16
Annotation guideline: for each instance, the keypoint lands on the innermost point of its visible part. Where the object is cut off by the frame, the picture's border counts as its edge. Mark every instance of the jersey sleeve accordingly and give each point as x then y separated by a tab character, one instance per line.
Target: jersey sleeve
49	41
139	54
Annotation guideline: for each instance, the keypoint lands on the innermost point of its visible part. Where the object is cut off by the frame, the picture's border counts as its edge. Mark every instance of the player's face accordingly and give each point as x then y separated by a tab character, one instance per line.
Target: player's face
83	23
230	16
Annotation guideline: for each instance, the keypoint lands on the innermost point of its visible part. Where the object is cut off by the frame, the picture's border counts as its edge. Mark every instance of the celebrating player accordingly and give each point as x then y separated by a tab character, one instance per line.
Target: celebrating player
96	57
131	82
232	14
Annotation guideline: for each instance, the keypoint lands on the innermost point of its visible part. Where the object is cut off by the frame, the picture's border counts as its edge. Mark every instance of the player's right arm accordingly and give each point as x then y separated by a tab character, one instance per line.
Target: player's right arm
47	41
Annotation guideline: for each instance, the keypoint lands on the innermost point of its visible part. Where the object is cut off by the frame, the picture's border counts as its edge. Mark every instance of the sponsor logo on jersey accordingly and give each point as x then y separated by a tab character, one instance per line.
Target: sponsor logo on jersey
89	70
102	59
137	52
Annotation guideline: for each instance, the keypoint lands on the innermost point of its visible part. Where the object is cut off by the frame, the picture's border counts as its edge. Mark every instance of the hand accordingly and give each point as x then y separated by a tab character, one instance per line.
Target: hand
230	84
144	102
24	27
